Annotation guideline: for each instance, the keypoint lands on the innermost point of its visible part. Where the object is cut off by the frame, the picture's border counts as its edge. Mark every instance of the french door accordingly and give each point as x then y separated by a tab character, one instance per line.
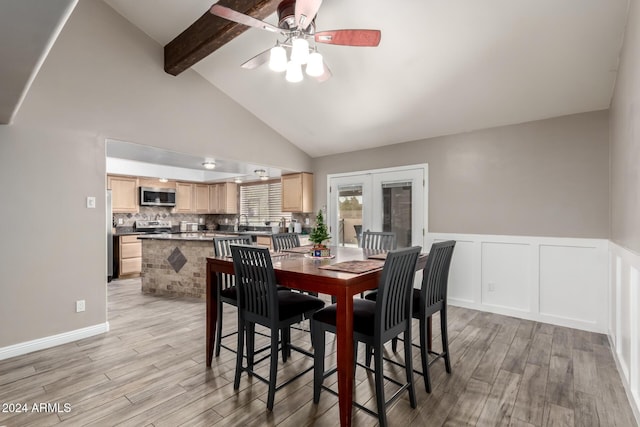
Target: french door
380	200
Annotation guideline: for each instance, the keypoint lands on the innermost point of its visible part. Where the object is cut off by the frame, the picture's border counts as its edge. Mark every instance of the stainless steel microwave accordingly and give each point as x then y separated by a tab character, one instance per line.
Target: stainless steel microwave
157	196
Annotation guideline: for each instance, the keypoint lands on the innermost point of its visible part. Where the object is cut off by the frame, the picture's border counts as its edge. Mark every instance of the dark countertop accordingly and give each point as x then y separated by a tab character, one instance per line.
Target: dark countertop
200	235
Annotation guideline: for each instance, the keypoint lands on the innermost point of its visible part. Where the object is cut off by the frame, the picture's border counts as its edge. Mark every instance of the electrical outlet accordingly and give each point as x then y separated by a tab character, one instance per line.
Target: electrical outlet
492	287
79	306
91	202
120	221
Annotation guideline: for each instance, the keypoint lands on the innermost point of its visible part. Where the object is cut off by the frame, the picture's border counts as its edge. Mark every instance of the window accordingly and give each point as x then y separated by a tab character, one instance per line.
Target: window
262	202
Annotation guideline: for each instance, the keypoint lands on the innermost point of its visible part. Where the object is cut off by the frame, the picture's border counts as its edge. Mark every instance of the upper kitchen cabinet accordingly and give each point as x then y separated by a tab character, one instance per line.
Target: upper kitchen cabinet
201	202
184	197
124	193
223	198
297	192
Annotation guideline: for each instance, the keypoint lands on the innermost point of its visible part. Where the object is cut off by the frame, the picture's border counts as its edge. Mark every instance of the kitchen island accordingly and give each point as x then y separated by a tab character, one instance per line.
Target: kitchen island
175	264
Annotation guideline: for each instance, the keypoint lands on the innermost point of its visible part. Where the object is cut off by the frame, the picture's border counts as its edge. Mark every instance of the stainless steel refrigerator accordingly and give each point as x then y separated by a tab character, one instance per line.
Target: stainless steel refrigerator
109	222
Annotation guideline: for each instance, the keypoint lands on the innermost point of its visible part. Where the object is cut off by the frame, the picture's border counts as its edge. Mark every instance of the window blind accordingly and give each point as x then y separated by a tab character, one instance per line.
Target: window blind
262	202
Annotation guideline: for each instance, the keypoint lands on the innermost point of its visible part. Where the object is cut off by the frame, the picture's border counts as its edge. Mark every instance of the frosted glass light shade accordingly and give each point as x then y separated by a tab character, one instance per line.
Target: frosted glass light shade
278	59
315	67
294	72
300	50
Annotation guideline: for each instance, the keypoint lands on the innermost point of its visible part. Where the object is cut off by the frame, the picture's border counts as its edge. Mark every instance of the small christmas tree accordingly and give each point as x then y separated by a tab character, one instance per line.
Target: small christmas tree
319	233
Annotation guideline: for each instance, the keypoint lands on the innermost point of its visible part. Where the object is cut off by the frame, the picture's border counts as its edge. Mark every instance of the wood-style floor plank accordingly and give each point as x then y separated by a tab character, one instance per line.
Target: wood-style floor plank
149	370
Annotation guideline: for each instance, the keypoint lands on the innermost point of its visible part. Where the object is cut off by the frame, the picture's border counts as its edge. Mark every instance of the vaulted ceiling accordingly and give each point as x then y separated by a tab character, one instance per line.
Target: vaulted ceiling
441	67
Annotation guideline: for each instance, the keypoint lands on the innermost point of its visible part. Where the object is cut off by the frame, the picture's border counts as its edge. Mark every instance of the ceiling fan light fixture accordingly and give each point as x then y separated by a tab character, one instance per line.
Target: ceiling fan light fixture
294	72
315	67
278	59
300	50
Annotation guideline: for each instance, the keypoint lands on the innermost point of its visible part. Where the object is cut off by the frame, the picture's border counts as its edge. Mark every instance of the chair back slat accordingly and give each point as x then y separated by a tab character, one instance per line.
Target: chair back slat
283	241
393	305
256	282
221	248
436	277
379	240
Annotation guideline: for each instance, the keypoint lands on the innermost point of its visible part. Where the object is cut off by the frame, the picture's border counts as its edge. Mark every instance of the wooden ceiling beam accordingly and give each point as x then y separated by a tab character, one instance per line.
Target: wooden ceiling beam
210	32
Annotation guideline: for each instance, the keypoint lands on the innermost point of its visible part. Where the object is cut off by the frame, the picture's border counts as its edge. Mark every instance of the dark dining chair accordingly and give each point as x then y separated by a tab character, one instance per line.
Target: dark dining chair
226	291
431	299
283	241
260	302
375	323
379	240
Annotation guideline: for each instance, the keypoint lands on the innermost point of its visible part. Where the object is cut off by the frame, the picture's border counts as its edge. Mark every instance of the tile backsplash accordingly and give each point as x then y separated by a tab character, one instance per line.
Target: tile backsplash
163	213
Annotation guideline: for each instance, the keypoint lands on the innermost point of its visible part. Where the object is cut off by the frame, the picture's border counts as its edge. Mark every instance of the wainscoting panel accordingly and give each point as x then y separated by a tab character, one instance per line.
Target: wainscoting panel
505	273
562	281
624	327
461	277
571	283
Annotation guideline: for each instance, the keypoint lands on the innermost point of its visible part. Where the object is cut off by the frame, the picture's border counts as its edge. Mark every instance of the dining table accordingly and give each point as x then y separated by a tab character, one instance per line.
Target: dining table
298	270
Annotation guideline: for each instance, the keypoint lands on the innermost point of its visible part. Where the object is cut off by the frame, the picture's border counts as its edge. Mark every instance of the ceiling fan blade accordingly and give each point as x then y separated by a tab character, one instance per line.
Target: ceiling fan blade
324	76
258	60
306	10
241	18
349	37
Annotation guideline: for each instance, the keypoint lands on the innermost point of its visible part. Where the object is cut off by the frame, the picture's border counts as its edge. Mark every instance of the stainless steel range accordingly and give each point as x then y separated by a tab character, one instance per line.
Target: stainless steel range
153	227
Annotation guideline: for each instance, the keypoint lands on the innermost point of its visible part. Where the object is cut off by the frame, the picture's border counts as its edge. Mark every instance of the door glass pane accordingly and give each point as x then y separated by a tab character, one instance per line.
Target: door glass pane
349	214
396	206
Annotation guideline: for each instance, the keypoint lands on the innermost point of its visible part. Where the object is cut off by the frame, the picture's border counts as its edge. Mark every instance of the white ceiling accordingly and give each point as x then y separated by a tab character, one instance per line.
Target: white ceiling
442	67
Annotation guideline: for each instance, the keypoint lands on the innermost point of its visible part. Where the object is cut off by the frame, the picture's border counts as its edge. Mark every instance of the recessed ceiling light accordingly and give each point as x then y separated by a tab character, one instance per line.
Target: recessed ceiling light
238	181
163	180
209	165
264	177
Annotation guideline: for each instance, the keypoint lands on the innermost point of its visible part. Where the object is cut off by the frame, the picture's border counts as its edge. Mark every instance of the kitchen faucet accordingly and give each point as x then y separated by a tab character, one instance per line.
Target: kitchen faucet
246	219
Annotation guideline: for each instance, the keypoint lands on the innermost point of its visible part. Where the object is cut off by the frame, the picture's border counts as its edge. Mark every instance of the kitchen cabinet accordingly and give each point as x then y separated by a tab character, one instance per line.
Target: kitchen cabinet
129	256
297	192
124	193
223	198
184	197
201	198
264	241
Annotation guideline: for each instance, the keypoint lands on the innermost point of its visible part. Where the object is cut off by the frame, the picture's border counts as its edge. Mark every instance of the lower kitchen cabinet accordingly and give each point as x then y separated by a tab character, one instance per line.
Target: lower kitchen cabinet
264	241
128	256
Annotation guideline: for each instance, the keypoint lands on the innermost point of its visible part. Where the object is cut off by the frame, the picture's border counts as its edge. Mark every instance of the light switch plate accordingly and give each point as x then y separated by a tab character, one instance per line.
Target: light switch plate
91	202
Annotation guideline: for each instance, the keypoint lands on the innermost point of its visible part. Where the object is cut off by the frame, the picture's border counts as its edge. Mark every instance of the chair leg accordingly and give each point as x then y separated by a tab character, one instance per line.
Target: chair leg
318	360
251	344
273	369
424	354
368	354
394	344
286	340
239	354
218	328
445	339
377	361
408	365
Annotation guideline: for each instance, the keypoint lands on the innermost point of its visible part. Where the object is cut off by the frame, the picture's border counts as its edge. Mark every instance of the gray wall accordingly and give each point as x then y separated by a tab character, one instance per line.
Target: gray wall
543	178
625	140
102	79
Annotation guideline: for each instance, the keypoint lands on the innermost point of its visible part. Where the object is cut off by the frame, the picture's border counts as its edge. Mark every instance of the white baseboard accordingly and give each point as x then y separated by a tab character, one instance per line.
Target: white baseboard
52	341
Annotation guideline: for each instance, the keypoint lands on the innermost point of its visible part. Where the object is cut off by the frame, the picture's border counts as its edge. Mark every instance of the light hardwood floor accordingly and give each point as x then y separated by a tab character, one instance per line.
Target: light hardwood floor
149	370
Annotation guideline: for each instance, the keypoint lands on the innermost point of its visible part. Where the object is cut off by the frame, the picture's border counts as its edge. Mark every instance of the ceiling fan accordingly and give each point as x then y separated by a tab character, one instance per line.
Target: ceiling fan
296	23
